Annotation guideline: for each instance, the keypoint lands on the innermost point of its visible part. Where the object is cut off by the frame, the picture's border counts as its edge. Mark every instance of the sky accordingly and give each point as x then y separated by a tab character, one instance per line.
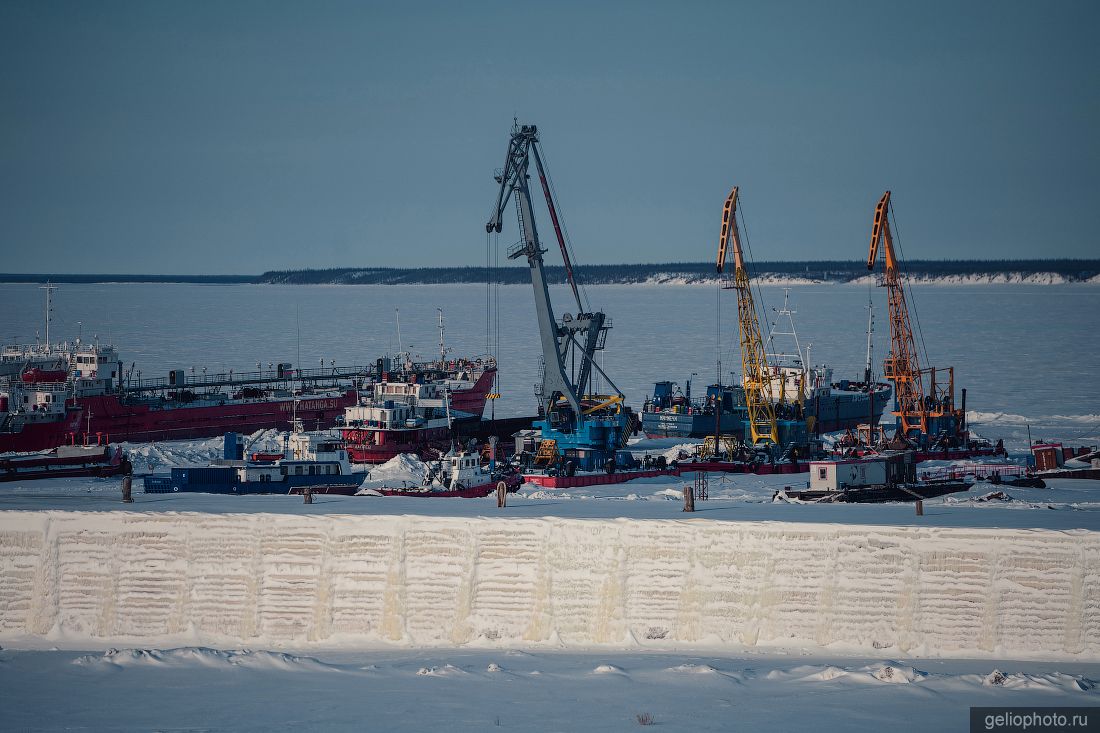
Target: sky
238	137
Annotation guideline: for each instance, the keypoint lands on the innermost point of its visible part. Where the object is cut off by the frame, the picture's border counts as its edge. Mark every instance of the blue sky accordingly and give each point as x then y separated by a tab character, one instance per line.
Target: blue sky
237	137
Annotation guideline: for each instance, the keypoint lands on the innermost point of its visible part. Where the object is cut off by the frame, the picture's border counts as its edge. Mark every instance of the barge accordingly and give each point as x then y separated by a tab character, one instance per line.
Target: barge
882	478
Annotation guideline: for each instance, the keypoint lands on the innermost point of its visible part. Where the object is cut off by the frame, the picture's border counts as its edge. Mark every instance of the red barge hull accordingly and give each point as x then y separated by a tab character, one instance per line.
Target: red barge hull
595	479
114	420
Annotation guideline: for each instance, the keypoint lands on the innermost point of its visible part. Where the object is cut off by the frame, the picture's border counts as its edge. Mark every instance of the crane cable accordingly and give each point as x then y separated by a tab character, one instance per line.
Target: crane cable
909	285
488	293
564	229
753	280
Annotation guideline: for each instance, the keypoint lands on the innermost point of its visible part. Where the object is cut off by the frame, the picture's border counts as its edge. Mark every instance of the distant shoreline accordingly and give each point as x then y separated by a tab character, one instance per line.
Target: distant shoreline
932	272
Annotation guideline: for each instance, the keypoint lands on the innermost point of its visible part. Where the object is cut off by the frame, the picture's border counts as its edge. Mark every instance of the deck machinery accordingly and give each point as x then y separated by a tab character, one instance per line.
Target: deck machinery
926	418
579	429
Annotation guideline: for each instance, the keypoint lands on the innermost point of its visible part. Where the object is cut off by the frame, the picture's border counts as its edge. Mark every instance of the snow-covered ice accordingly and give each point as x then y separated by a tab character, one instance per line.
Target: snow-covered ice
193	688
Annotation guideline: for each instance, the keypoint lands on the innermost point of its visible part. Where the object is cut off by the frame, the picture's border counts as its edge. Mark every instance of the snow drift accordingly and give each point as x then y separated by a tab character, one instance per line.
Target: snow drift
159	579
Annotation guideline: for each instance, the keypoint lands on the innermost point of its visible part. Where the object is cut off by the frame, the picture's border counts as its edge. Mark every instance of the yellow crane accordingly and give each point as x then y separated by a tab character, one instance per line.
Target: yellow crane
756	377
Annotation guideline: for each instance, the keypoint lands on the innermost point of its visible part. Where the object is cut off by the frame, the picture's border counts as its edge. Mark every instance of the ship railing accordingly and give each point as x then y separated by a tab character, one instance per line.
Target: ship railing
264	376
977	470
90	439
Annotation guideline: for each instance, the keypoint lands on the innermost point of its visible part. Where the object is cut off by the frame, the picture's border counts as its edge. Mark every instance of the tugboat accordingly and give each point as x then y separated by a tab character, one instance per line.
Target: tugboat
314	460
461	475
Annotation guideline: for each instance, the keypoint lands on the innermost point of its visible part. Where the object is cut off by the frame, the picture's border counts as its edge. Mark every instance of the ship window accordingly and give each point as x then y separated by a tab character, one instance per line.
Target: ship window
311	470
298	470
822	473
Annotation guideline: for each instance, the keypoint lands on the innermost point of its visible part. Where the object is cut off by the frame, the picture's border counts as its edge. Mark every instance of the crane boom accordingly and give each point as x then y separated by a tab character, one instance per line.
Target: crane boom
756	376
902	367
927	411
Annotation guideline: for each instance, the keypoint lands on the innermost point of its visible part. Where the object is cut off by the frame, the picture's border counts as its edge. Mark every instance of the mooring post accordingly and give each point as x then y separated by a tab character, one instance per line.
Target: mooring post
920	508
307	495
127	481
689	498
502	494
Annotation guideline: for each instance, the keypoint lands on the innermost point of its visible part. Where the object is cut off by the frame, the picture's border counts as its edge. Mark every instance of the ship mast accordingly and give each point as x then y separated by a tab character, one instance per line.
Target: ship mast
800	361
868	377
49	308
442	346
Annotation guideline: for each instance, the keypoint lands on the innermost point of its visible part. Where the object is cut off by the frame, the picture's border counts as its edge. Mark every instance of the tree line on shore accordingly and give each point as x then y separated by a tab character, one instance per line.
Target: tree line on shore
837	271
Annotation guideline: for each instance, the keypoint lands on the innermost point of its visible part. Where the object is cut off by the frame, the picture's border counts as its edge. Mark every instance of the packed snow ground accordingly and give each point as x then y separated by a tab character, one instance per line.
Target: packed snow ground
439	690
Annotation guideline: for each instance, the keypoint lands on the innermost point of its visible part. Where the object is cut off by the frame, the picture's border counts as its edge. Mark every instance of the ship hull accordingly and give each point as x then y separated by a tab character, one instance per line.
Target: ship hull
118	421
379	446
223	481
839	411
467	492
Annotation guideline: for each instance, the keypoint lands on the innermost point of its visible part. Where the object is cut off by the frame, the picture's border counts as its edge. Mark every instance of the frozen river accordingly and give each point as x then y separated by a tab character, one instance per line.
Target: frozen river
1024	353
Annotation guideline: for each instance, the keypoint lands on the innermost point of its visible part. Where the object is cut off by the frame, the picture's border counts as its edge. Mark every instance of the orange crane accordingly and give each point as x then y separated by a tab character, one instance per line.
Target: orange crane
756	377
923	415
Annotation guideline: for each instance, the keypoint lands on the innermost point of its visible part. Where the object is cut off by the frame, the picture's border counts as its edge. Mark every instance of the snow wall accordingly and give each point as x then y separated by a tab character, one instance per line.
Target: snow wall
355	581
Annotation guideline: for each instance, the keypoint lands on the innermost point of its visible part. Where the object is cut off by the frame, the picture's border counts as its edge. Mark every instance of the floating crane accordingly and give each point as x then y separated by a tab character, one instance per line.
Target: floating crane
923	416
586	429
756	376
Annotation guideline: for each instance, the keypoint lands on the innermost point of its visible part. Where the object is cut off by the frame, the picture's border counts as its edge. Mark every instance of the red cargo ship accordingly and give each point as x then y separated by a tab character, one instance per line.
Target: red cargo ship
58	394
416	415
42	408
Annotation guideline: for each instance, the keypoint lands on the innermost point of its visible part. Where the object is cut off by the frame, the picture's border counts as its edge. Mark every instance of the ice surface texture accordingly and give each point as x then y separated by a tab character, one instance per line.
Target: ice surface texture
361	581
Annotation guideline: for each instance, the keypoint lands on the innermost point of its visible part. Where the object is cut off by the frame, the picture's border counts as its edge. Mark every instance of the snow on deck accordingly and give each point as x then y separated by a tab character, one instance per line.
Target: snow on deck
161	578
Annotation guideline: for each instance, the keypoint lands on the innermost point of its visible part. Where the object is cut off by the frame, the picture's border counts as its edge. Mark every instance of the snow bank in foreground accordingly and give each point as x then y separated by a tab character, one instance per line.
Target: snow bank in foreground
357	581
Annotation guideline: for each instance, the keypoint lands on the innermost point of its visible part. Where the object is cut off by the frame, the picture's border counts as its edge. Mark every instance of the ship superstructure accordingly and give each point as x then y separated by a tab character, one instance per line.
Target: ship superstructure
416	414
